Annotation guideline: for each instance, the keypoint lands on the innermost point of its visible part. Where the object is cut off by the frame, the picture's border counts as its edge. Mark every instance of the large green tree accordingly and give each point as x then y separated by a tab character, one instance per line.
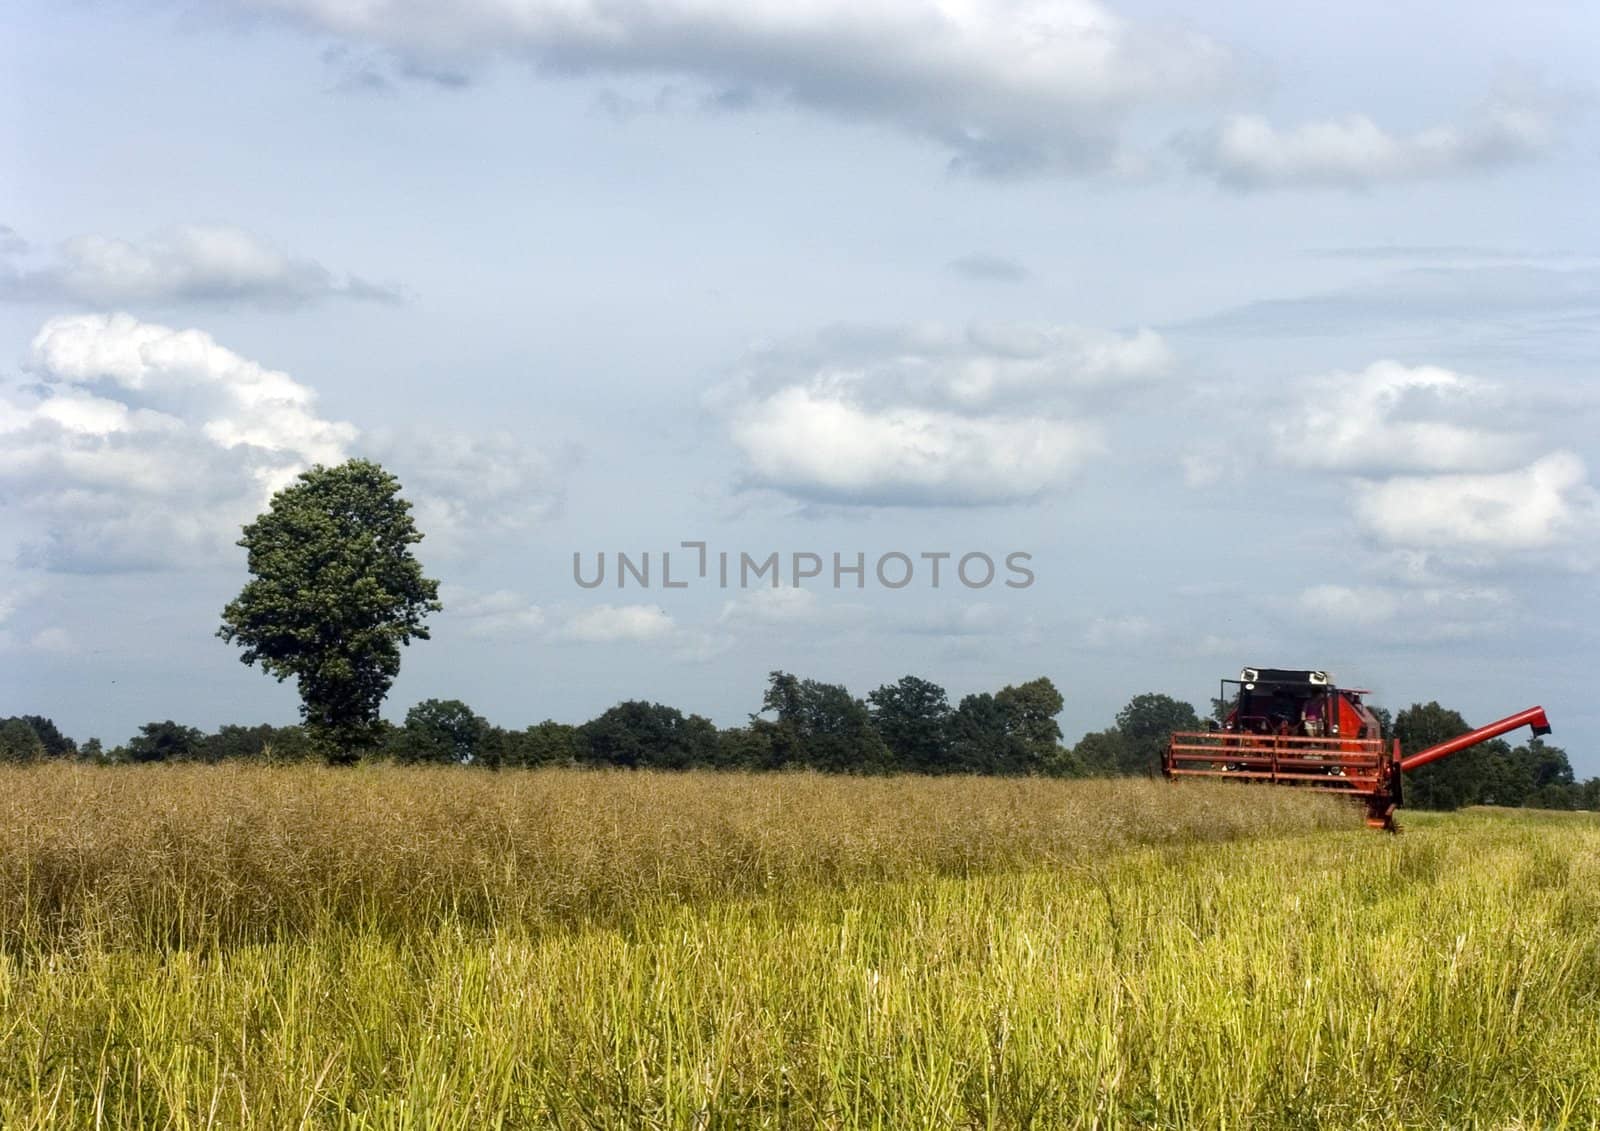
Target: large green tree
165	741
1011	732
56	744
1102	753
335	592
913	718
820	725
443	730
264	741
637	734
19	742
1145	724
1449	782
544	744
1030	712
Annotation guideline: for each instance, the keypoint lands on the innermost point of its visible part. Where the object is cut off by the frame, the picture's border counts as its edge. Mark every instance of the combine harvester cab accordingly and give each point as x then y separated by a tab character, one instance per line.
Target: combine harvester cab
1290	727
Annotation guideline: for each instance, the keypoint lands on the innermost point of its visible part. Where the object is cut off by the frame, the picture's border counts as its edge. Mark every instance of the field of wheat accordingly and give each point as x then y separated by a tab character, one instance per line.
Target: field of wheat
258	947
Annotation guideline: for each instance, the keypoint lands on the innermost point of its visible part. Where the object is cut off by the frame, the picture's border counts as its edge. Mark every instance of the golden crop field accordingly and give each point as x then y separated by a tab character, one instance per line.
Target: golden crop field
282	947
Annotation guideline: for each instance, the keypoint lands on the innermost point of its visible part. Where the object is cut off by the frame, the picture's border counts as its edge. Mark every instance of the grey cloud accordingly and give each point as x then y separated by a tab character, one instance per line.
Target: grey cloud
1010	89
188	264
983	268
1455	253
468	487
1419	296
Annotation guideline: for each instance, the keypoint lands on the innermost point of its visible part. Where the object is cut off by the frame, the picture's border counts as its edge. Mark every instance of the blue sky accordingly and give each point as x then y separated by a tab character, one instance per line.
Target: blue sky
1271	340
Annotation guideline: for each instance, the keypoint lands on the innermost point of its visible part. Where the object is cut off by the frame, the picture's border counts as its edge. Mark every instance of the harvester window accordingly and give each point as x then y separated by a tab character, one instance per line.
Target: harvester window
1314	720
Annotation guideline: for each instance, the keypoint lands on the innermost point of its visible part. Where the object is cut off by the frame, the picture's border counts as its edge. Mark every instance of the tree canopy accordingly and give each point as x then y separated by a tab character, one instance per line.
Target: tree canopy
335	592
913	718
820	725
442	730
1144	725
904	726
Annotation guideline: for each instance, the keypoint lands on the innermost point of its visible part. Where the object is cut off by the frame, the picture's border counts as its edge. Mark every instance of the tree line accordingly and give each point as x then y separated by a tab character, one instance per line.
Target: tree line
335	592
909	726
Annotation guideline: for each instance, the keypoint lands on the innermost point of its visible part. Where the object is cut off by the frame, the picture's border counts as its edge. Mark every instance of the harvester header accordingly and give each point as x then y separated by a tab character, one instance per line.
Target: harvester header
1287	726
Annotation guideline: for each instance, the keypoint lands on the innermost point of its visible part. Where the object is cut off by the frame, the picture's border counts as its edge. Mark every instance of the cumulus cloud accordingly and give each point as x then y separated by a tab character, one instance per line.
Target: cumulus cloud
610	624
1249	152
141	446
828	448
1119	632
55	640
927	416
1433	462
1413	613
504	613
187	264
465	486
1382	604
761	608
1008	86
499	613
1393	417
1439	470
1529	508
980	618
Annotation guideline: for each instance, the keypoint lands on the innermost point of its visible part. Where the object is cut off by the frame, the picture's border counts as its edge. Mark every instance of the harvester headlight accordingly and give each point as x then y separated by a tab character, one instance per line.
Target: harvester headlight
1319	677
1249	675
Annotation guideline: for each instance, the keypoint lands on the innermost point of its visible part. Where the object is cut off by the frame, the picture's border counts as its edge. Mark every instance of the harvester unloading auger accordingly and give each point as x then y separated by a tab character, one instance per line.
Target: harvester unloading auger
1296	728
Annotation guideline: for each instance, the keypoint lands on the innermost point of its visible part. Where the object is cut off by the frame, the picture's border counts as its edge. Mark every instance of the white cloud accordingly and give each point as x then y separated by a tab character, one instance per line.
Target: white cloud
1404	613
499	613
927	416
828	448
1212	461
142	446
1119	632
504	613
1248	152
763	607
187	264
1007	85
243	403
980	618
1530	508
1434	468
55	640
1349	605
466	487
1391	417
696	646
610	624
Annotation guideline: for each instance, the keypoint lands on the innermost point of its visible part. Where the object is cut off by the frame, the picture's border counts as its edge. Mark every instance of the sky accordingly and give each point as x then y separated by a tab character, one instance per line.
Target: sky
1226	336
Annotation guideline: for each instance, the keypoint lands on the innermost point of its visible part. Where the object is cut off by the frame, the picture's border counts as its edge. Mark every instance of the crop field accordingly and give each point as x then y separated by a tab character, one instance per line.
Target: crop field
192	946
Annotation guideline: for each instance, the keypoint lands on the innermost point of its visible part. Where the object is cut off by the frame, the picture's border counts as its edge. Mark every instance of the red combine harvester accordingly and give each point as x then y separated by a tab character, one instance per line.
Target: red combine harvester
1296	728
